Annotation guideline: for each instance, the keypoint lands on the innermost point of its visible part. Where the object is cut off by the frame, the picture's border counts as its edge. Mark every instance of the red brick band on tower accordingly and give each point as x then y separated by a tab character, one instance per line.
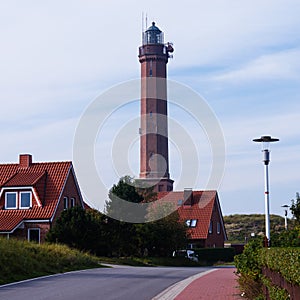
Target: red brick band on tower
154	156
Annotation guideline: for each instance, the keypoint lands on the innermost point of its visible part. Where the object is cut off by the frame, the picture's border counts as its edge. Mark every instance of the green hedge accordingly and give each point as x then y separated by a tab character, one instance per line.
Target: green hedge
215	254
286	261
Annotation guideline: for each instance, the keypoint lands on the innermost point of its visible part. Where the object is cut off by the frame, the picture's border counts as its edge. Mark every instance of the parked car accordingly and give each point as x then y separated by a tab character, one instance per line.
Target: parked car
190	254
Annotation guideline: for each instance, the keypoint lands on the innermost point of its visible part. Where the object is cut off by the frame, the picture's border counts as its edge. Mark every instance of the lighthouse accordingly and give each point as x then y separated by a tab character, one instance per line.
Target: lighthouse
154	153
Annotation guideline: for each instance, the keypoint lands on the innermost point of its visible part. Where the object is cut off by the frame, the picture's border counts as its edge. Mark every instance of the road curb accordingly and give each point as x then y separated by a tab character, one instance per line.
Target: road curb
174	290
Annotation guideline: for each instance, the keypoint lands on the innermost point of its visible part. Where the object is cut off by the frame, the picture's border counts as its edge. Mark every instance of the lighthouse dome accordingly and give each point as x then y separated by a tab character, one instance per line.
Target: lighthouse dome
153	35
153	28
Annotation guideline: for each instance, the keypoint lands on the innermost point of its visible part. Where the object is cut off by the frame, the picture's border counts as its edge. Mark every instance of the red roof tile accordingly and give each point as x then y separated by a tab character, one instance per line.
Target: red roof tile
51	175
201	209
24	179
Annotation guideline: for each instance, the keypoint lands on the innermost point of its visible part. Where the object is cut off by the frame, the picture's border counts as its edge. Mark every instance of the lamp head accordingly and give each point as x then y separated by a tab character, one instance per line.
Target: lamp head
266	140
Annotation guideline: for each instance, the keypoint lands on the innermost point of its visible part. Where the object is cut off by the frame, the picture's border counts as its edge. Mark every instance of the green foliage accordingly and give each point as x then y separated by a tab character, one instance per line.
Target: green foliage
295	208
119	196
286	238
249	270
286	261
162	237
213	255
247	262
104	236
275	292
151	261
77	228
21	260
240	227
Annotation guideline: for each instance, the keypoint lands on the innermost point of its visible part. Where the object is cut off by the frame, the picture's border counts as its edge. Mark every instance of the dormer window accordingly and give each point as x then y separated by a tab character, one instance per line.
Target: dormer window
18	200
11	200
191	223
25	199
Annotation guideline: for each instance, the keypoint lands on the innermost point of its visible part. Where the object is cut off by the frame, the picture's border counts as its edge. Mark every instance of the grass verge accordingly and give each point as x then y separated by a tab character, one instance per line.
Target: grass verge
21	260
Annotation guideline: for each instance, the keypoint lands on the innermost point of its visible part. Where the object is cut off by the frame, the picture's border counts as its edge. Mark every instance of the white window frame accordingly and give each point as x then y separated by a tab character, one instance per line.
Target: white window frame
188	223
35	229
16	194
20	200
218	228
66	203
72	202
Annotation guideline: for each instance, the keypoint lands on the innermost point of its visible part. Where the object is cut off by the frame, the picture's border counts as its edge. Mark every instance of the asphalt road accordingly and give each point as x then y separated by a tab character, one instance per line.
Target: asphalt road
126	283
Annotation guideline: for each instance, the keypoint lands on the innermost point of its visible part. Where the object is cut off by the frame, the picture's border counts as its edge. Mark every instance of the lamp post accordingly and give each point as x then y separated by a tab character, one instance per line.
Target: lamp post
266	140
285	215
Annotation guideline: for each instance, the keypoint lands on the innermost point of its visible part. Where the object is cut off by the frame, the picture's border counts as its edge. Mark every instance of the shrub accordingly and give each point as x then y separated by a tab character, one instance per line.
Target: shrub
285	261
212	255
249	270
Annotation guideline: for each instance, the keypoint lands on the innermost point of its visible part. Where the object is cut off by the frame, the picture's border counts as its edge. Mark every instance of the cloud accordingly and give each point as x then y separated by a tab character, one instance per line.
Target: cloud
57	56
282	65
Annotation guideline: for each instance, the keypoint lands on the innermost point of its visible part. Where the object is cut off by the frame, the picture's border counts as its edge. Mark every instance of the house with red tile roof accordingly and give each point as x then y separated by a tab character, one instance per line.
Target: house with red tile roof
33	195
201	211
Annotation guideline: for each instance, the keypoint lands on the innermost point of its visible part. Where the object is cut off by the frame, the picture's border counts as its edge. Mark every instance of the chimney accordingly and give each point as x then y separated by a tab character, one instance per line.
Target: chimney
25	160
188	197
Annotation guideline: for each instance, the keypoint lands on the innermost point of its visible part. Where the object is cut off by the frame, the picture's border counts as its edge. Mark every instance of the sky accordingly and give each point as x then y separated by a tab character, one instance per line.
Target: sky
240	57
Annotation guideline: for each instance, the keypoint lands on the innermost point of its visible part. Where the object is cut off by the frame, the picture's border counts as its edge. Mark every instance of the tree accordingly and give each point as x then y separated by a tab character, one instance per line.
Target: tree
163	236
82	229
75	228
295	209
122	192
160	237
123	235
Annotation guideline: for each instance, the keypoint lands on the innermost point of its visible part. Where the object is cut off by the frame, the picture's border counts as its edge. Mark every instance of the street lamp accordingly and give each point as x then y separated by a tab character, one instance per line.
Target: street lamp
266	140
285	215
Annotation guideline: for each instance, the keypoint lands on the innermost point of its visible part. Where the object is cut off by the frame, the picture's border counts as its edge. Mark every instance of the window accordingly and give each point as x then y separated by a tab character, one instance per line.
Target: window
180	202
11	200
65	202
34	235
15	200
72	202
218	228
210	230
25	199
191	222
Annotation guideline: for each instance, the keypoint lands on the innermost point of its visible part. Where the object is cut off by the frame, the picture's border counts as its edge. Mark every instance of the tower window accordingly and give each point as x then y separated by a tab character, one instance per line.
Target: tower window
150	71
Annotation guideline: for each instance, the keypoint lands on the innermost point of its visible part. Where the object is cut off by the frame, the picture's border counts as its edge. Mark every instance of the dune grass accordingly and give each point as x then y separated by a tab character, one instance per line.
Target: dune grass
21	260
